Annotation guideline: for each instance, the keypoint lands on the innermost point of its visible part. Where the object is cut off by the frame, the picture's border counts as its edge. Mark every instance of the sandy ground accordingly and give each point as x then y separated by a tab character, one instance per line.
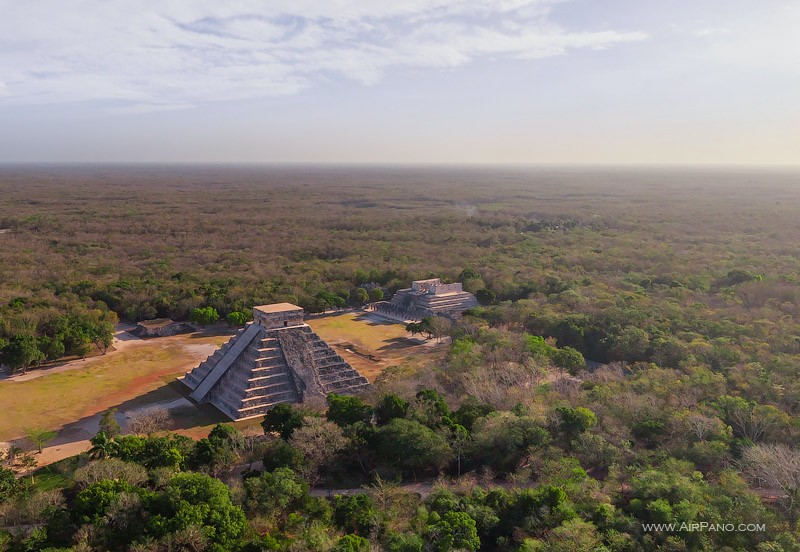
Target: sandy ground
201	349
51	455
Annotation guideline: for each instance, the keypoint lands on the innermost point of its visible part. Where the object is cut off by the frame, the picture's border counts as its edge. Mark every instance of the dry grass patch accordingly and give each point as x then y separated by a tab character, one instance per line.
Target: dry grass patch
54	400
370	343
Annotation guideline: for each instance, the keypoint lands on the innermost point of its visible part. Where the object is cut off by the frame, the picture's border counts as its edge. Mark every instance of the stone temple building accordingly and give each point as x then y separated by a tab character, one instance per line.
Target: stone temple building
275	359
428	298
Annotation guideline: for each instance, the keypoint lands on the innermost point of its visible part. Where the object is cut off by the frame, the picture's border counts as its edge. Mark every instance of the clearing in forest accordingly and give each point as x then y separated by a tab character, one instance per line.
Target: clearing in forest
370	343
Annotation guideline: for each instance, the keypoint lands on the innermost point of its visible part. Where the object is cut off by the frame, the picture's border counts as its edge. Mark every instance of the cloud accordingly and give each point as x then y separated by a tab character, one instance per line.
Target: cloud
169	53
710	32
150	107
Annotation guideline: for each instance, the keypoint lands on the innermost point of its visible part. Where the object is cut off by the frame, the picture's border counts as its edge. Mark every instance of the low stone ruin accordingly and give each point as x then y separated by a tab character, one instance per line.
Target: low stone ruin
160	327
427	298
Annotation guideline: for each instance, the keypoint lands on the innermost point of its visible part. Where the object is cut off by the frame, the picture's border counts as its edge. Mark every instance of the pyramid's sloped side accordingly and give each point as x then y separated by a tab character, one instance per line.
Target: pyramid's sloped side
320	368
226	361
334	373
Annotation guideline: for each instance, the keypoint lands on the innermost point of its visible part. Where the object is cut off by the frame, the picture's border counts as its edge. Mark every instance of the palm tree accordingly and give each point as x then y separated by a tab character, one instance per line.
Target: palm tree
40	437
12	454
102	446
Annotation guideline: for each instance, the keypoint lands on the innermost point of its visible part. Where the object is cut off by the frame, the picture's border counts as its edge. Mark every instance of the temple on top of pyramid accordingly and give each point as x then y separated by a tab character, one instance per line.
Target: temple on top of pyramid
428	298
275	359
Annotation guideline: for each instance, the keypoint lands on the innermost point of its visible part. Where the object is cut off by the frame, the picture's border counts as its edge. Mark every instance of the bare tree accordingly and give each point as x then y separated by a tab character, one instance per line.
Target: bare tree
701	426
11	455
191	538
494	387
754	421
148	421
775	467
440	327
110	469
34	508
319	440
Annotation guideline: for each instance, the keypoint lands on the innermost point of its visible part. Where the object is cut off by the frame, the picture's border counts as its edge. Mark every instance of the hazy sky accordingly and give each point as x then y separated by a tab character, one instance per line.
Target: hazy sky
525	81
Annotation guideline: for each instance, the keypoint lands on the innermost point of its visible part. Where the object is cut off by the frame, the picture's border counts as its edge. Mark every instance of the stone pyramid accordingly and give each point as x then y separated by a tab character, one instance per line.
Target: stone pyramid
275	359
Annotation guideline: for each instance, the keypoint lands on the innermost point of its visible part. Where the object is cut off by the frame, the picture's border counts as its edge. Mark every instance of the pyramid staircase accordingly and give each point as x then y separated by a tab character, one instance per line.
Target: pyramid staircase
260	368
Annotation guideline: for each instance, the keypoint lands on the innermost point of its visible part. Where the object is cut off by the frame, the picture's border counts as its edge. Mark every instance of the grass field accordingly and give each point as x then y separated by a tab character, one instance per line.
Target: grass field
140	374
369	343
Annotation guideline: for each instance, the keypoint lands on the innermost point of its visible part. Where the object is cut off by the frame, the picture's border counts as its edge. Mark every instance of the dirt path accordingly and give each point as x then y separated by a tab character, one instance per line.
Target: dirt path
51	455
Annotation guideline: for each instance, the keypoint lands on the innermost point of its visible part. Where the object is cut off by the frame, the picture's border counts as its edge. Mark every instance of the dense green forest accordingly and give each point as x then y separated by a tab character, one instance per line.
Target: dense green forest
521	479
681	288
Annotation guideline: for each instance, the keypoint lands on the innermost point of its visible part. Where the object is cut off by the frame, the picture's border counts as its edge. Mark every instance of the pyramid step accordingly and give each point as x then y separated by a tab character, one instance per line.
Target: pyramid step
269	370
335	379
266	363
269	390
272	397
262	383
259	410
335	369
269	387
358	381
258	379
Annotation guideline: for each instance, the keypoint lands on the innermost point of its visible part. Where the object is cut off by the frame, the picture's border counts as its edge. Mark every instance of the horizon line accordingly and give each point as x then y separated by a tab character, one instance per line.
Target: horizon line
402	164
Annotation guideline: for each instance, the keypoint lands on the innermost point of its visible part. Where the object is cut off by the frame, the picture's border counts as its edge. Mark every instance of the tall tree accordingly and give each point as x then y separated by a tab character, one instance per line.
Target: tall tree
103	446
22	352
320	441
360	296
375	294
282	419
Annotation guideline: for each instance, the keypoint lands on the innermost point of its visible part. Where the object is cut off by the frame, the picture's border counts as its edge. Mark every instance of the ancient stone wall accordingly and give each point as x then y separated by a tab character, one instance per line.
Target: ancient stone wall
445	288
